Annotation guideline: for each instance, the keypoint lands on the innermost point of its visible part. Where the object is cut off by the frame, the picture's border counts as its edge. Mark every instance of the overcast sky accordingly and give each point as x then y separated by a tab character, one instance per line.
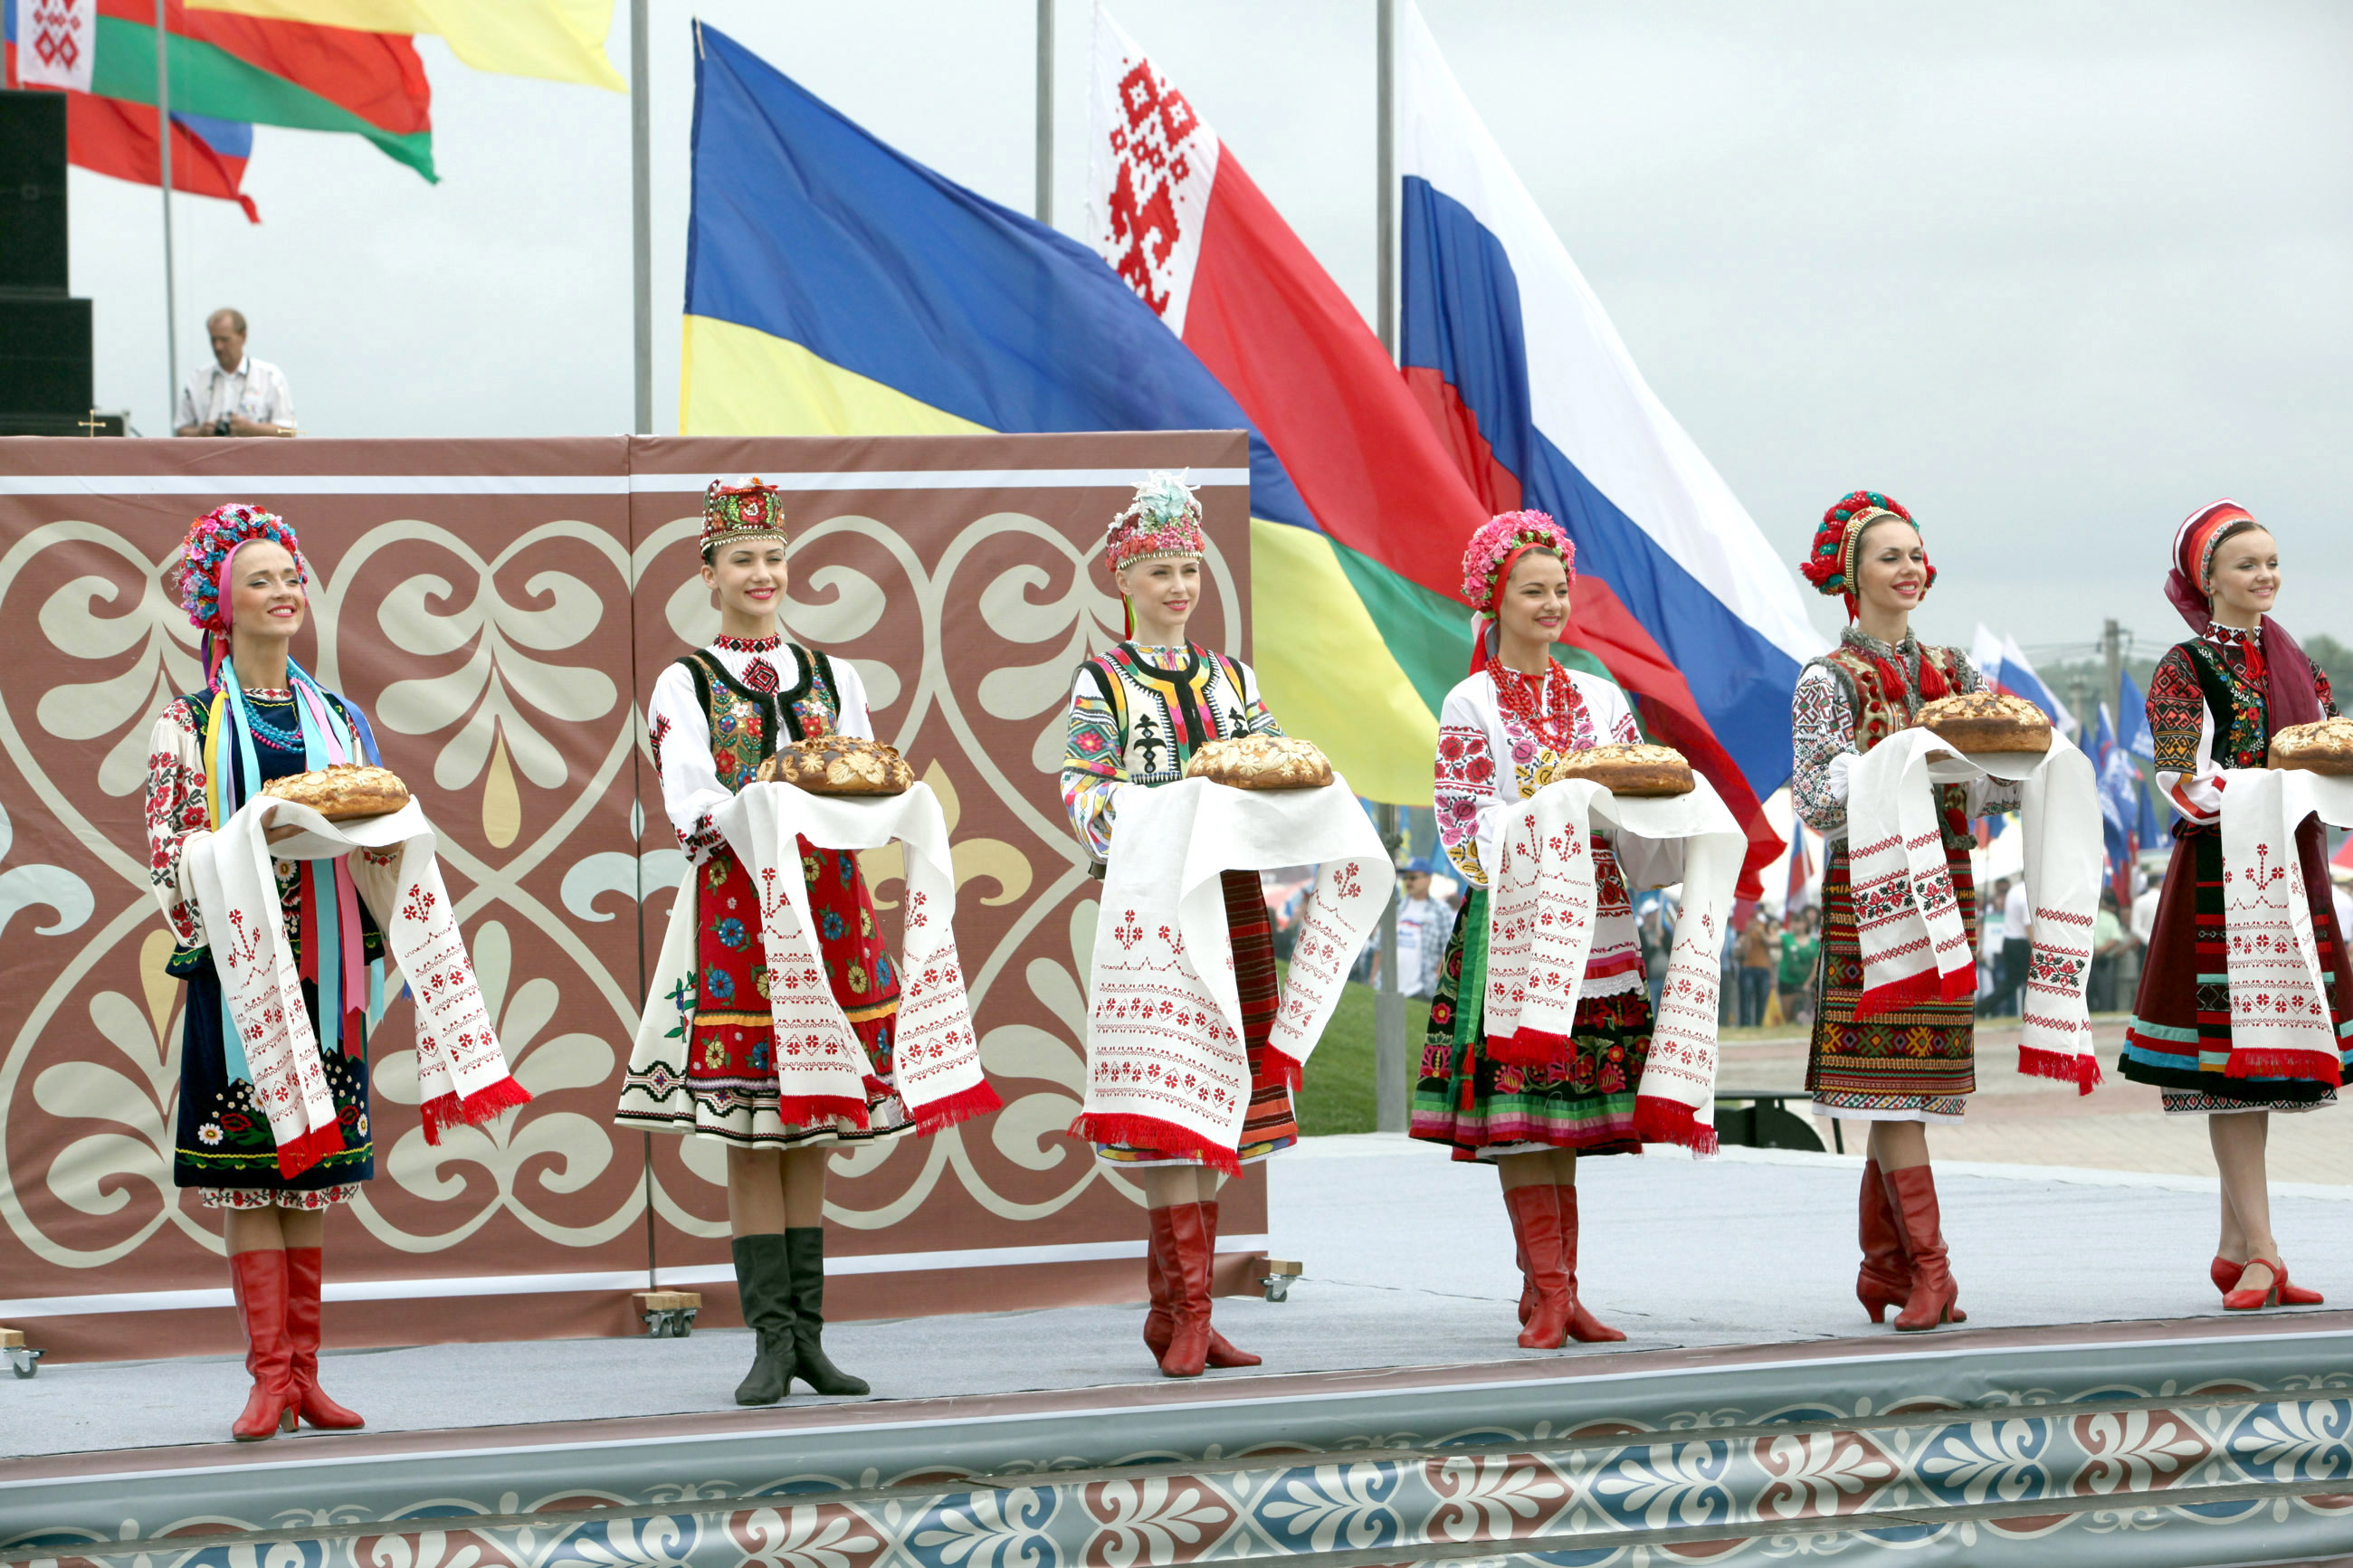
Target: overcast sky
2050	274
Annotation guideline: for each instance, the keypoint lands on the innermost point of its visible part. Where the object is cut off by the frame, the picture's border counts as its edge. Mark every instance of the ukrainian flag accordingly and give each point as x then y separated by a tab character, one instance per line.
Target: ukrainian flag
837	288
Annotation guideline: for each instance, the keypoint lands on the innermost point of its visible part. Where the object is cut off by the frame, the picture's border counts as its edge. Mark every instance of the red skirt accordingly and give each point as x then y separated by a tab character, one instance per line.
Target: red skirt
730	1068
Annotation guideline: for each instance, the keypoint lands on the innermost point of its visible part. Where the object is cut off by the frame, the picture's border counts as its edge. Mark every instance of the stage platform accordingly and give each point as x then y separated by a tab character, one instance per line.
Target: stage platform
2099	1408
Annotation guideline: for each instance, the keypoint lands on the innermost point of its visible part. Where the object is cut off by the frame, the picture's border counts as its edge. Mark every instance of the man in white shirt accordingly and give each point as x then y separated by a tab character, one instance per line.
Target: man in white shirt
1422	927
236	394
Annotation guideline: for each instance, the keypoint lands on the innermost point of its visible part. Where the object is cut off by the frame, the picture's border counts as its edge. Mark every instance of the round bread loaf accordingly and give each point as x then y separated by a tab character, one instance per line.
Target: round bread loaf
1262	762
343	793
1986	721
1635	770
839	764
2326	747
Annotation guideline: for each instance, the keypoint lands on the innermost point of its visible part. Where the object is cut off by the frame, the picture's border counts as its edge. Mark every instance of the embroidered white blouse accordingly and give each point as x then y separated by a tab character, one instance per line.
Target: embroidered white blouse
679	731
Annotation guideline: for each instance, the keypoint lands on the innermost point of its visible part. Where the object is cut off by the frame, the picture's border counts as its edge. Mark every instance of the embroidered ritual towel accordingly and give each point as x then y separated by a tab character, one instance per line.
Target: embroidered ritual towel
1540	933
821	1068
461	1072
2280	1024
1167	1067
237	896
1908	919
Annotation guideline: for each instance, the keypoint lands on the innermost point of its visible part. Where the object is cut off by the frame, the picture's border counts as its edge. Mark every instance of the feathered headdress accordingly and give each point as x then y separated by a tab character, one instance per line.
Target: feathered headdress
1163	521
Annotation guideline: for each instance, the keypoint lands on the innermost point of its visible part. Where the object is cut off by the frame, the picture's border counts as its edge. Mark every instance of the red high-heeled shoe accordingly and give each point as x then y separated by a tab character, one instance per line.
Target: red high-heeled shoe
2243	1299
2226	1275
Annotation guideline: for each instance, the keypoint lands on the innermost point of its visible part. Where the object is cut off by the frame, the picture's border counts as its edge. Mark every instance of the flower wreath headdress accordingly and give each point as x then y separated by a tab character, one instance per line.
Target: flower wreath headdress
1162	523
1487	564
1830	564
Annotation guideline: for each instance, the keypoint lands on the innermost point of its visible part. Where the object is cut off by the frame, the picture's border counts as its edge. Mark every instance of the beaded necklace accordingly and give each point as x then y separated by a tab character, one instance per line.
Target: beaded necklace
747	644
1546	704
285	737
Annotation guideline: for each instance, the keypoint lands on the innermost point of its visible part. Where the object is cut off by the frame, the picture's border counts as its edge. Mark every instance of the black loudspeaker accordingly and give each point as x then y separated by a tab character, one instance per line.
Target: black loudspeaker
33	191
44	365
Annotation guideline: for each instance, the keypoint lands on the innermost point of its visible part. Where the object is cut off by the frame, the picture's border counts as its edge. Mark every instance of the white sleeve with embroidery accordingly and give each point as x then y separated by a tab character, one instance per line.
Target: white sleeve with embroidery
177	816
1822	735
680	735
854	718
1465	788
1613	718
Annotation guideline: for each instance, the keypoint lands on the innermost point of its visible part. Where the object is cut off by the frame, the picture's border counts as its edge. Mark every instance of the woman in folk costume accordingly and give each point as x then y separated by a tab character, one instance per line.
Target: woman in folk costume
262	717
2214	702
1899	1070
1500	734
716	714
1138	713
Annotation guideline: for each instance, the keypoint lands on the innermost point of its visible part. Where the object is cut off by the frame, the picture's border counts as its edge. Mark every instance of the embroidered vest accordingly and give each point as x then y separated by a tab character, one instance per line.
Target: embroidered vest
1166	715
746	725
1879	713
2242	730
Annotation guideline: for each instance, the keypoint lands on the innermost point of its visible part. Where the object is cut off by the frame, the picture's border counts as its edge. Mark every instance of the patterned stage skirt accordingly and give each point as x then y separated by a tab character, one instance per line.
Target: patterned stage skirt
1917	1063
2179	1038
1484	1108
1269	1124
728	1090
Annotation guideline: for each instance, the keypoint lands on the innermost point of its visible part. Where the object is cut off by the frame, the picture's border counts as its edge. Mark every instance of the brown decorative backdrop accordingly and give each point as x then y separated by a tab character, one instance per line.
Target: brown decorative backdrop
499	609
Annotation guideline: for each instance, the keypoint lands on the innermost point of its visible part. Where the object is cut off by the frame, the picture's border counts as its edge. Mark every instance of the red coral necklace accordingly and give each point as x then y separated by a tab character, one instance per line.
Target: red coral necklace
1546	704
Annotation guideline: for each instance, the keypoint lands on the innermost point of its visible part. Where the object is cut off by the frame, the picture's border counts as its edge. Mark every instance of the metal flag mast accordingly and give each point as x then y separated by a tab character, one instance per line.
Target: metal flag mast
1392	1093
641	221
163	153
1044	192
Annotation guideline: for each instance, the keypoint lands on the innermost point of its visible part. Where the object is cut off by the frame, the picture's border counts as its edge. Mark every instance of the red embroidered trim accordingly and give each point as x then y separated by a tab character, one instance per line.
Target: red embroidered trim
1658	1119
307	1151
2304	1066
812	1109
1529	1048
938	1115
1924	985
2065	1067
747	644
1131	1132
446	1110
1270	1066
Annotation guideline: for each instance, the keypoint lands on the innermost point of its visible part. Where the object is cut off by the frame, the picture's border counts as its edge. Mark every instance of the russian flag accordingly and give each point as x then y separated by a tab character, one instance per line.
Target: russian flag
2006	670
1678	592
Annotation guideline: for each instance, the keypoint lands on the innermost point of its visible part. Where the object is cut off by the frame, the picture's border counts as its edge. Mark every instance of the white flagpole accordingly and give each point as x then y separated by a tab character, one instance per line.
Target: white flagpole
163	152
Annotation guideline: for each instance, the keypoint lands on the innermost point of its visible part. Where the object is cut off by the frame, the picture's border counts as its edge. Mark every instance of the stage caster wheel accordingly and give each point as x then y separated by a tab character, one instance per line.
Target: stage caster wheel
1276	1282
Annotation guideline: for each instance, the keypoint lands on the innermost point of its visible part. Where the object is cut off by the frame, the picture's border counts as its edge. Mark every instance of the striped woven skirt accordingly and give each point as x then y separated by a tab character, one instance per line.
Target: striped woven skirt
1269	1122
2179	1038
1917	1063
1484	1108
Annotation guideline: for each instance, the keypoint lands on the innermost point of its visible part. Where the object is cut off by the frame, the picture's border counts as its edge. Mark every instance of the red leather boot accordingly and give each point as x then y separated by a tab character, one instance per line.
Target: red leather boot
1914	1190
1884	1280
1221	1351
1160	1321
304	1267
1583	1326
1536	1221
1186	1273
258	1280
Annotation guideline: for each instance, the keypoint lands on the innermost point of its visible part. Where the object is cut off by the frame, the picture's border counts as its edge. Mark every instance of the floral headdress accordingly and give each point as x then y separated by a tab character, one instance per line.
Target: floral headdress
1830	564
204	555
1162	523
735	510
1488	560
1493	551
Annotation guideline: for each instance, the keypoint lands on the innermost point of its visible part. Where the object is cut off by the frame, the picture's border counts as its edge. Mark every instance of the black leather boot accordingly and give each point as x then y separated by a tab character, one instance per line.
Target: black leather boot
805	1247
764	1280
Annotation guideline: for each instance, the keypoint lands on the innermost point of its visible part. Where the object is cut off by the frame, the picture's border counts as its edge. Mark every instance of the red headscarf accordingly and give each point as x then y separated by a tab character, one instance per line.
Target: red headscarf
2291	696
